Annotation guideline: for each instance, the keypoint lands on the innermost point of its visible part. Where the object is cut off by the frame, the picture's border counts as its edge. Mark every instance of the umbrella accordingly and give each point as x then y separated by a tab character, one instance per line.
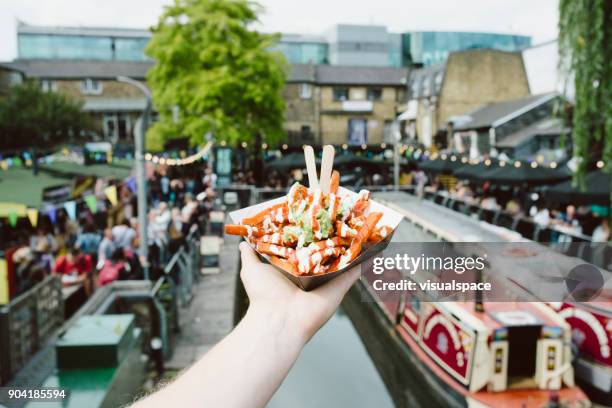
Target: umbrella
472	171
440	165
524	174
289	162
353	160
597	190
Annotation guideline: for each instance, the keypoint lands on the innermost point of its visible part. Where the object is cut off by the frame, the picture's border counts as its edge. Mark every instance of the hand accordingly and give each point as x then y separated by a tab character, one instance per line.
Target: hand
275	296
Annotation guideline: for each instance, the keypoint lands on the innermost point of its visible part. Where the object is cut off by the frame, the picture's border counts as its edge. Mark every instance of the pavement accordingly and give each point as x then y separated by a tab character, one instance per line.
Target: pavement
210	315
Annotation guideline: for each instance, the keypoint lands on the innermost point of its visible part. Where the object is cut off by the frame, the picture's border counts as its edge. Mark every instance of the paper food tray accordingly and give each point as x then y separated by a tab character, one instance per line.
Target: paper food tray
308	282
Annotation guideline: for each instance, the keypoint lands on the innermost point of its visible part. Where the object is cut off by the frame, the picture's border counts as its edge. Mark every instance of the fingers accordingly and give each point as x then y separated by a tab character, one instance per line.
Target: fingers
247	255
337	288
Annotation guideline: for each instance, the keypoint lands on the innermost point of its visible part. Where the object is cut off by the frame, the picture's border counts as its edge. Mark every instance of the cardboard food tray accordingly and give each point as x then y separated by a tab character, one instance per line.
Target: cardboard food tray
308	282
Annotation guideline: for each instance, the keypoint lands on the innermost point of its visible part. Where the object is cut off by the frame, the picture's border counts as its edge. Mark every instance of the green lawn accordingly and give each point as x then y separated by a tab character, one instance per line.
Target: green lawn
20	185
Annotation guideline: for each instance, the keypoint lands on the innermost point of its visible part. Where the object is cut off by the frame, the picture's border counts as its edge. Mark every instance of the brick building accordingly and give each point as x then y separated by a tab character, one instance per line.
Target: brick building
325	104
342	105
113	106
465	81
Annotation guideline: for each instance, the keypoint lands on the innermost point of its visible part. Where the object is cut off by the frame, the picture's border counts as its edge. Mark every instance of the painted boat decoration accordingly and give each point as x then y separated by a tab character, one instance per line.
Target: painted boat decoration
508	354
591	325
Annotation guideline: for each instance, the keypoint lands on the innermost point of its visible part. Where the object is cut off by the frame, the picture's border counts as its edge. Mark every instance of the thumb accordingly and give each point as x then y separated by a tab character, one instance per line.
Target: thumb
247	255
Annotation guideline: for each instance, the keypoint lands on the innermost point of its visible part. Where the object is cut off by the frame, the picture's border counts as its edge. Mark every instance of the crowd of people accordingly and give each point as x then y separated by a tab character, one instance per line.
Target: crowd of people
567	220
97	248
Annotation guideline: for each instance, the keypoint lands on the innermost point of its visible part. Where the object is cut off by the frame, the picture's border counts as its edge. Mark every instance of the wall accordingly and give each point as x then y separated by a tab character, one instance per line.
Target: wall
300	112
474	78
334	121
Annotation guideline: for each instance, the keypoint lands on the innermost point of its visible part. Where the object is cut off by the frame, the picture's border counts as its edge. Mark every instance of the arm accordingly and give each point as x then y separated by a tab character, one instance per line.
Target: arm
247	367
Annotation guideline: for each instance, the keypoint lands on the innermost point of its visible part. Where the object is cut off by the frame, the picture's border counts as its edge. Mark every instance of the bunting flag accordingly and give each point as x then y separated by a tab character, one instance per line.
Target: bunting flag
92	203
52	214
70	207
33	216
12	218
131	183
111	194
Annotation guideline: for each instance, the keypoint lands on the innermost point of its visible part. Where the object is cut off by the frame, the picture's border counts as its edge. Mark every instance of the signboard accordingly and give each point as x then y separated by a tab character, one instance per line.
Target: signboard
57	194
357	106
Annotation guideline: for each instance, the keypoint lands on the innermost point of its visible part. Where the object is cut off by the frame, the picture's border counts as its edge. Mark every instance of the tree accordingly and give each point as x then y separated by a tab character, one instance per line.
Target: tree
213	73
31	118
585	50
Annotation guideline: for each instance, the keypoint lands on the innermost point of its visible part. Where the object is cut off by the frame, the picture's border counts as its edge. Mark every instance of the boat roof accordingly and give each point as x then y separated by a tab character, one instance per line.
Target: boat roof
499	315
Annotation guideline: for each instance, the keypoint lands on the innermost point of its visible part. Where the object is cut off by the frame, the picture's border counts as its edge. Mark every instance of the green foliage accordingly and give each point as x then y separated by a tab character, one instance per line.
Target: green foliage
585	49
30	118
215	74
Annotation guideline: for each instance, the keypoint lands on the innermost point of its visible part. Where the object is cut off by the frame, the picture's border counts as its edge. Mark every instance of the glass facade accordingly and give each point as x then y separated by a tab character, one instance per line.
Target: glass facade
304	52
54	46
430	47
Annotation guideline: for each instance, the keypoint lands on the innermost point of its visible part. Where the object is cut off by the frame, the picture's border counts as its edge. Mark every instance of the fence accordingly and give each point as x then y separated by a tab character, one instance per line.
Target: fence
184	266
27	323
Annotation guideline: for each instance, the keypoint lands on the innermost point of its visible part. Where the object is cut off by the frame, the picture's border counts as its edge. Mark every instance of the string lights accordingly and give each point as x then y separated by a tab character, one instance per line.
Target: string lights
155	159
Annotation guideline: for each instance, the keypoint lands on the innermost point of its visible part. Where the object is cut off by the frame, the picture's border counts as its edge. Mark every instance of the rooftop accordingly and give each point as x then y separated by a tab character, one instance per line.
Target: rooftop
350	75
495	113
99	69
546	126
76	69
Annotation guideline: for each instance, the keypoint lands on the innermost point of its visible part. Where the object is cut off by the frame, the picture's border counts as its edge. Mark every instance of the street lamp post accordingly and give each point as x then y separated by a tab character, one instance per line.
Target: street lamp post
396	137
141	182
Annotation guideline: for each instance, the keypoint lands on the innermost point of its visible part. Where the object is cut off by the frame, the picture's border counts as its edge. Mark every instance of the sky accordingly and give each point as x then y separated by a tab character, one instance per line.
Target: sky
537	19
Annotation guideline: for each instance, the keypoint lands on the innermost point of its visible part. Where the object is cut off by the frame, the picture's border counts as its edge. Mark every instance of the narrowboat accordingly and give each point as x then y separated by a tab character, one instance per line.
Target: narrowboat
474	353
591	325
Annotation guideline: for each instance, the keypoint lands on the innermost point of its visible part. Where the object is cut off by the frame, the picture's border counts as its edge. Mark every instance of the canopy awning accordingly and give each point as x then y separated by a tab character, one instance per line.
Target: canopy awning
596	191
446	166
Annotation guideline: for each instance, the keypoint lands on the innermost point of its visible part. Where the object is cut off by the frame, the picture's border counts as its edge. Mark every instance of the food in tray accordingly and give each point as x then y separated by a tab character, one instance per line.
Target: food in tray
311	233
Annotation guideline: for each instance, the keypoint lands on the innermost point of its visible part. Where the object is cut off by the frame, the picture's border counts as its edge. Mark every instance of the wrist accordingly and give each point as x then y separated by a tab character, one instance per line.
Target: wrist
279	323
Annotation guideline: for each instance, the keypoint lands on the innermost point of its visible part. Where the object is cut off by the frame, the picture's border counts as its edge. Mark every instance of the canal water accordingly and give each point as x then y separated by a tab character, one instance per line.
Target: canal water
334	370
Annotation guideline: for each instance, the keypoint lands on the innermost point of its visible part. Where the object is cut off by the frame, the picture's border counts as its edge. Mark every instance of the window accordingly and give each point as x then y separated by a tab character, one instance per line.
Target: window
305	91
91	87
374	94
341	94
48	85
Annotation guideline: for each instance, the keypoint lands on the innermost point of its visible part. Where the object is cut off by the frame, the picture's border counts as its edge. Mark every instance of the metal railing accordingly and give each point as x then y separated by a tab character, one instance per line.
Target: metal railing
27	323
184	266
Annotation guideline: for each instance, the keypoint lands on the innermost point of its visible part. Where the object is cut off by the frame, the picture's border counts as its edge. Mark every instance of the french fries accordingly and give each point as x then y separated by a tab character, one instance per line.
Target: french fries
311	233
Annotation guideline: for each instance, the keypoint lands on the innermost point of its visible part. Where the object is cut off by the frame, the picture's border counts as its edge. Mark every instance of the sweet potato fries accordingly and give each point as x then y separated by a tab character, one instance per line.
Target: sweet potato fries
312	233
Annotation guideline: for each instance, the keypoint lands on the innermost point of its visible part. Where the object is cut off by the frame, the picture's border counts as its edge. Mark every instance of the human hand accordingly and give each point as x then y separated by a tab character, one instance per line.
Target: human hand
275	297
